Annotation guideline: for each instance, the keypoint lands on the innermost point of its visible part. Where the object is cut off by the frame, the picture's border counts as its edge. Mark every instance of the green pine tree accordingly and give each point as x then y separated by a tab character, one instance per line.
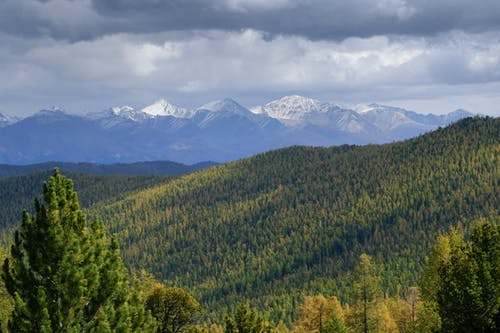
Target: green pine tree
469	293
66	276
246	320
174	309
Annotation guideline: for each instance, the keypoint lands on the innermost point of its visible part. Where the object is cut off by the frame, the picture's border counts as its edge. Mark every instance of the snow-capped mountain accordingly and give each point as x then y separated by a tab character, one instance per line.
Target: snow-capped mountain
399	121
160	108
118	116
127	112
227	105
164	108
6	120
219	131
454	116
387	118
289	107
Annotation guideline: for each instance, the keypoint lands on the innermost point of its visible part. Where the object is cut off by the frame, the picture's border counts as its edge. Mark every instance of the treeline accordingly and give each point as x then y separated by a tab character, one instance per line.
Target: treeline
270	229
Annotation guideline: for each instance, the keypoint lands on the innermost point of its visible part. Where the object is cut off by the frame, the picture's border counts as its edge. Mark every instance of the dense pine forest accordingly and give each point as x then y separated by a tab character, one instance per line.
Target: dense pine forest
269	229
402	237
17	193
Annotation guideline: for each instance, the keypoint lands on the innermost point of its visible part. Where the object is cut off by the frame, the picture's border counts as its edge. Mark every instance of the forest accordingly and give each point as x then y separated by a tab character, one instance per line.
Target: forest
402	237
17	193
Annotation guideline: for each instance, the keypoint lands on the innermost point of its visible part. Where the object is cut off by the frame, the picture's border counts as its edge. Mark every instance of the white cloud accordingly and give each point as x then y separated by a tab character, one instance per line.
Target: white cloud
203	65
143	58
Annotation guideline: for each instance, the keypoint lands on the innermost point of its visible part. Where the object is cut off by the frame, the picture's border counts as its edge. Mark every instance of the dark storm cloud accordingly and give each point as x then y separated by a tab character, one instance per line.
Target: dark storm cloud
312	19
59	19
83	19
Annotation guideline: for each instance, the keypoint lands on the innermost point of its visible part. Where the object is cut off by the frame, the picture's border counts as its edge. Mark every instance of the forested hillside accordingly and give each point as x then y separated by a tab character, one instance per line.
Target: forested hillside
138	168
271	228
17	193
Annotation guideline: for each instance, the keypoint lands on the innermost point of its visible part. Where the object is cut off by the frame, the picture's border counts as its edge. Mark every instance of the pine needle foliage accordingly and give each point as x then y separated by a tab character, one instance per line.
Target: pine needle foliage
66	276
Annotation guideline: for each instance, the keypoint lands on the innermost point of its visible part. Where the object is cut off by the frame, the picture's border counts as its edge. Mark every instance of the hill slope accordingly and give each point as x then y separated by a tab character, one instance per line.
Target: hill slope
270	227
18	193
139	168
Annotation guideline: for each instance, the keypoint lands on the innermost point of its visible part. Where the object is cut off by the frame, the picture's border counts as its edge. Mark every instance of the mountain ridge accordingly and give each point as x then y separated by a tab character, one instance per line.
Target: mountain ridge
167	168
219	131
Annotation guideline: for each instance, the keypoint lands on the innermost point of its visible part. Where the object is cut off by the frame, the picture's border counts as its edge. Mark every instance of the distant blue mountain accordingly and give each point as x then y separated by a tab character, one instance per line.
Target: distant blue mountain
138	168
218	131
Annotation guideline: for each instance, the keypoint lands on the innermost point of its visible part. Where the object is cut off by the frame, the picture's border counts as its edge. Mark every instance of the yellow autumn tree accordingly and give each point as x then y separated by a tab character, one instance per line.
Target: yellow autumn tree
320	315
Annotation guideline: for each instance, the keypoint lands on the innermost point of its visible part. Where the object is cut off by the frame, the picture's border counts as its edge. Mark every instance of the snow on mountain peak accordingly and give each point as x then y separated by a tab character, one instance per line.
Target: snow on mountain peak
374	107
290	107
4	118
52	111
386	117
7	120
128	112
363	108
164	108
120	110
227	104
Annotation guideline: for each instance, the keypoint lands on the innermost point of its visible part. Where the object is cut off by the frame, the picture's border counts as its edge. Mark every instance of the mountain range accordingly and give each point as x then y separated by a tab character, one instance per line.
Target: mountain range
218	131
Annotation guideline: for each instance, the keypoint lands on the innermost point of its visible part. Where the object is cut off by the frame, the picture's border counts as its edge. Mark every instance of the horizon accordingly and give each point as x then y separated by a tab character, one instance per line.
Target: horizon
353	107
89	55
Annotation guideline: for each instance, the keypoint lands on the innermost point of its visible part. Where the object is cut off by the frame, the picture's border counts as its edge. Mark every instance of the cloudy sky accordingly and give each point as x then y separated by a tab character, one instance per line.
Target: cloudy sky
87	55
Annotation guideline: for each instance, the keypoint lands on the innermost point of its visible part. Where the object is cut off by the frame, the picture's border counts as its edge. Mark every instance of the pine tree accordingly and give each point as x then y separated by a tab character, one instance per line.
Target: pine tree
175	310
65	276
431	280
364	316
246	321
469	293
6	301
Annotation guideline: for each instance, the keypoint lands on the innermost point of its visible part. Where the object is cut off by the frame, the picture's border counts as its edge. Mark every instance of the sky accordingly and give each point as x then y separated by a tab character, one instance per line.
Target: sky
88	55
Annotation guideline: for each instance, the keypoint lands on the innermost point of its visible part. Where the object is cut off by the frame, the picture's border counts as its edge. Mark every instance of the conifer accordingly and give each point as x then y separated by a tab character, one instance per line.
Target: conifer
65	276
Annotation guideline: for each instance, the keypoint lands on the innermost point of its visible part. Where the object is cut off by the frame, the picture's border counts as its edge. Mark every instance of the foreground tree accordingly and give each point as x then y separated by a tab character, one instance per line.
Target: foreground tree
320	315
469	290
175	310
6	301
367	291
245	320
430	281
65	276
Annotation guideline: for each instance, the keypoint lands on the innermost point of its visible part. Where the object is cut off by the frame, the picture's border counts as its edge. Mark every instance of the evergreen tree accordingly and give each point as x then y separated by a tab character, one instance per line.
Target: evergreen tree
65	276
246	321
335	325
175	310
469	293
6	301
